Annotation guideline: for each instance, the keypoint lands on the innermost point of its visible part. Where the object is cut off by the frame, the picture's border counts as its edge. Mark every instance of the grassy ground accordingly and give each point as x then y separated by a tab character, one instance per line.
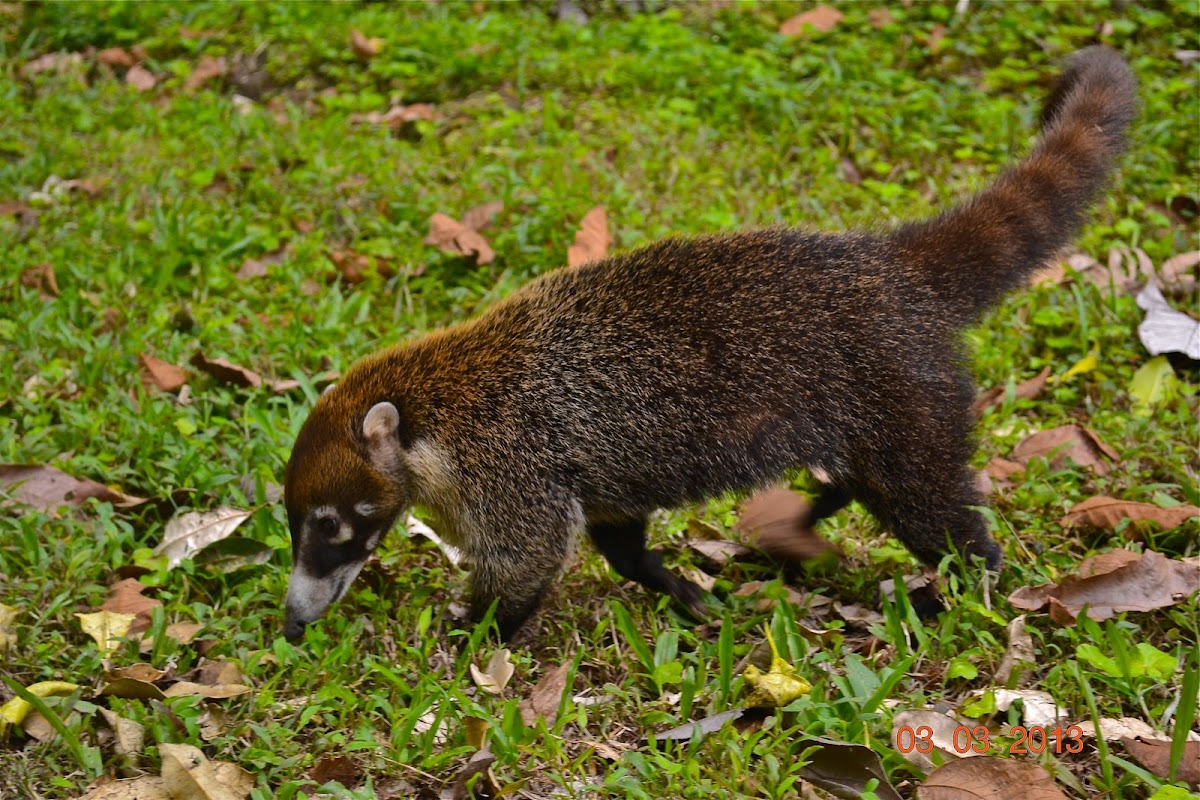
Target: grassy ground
677	119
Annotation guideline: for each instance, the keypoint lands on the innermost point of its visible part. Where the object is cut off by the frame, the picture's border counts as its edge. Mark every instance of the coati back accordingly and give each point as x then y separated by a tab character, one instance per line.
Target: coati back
691	367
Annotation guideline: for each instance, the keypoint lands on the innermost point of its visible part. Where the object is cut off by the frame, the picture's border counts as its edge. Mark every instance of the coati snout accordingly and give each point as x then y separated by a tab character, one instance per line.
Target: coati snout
691	367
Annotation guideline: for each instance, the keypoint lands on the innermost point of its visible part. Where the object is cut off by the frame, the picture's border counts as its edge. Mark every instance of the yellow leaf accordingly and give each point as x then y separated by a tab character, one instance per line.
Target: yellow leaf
779	686
108	628
15	710
1085	364
8	636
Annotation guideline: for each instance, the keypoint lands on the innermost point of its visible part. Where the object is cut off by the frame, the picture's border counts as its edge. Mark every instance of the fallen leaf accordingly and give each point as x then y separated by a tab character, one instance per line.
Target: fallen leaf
989	779
942	728
140	78
116	57
147	787
844	769
47	489
821	18
451	236
1165	330
218	691
129	736
206	69
476	781
186	534
1156	756
591	240
480	217
213	722
704	727
850	172
773	520
42	279
1152	383
108	628
188	775
880	17
163	374
493	678
363	47
140	672
52	62
1107	512
216	673
857	614
1038	708
227	372
1114	729
16	709
1020	650
234	553
125	597
355	267
543	702
719	553
1067	443
1113	582
1176	272
342	769
1025	390
398	116
181	632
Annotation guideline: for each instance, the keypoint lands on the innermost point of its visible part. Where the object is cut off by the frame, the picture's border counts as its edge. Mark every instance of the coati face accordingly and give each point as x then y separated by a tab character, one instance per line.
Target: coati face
343	489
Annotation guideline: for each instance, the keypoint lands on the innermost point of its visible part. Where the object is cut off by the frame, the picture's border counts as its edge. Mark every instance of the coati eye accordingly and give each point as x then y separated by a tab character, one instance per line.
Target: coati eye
326	526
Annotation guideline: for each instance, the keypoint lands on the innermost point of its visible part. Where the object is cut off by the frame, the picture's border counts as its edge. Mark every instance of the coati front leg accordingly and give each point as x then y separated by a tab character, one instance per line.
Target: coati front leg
517	580
624	545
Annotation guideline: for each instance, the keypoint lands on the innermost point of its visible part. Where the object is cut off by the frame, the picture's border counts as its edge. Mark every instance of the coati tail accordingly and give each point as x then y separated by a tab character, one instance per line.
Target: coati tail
974	254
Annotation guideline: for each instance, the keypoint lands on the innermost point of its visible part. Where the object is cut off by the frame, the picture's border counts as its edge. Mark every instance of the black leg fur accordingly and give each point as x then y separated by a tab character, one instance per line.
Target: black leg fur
831	500
624	545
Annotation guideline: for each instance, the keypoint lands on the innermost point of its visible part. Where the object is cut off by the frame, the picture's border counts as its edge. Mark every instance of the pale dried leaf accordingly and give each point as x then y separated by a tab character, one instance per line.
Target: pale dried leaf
495	676
147	787
704	727
1038	707
821	18
213	722
130	737
132	689
1114	729
189	775
140	78
41	278
187	534
1108	512
1025	390
365	48
591	240
52	62
398	116
219	691
107	628
1020	650
140	672
1165	330
941	727
989	779
116	57
480	217
451	236
719	553
543	701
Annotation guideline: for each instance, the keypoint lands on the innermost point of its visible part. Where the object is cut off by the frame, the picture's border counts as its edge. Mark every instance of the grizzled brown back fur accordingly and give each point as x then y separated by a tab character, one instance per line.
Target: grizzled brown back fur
691	367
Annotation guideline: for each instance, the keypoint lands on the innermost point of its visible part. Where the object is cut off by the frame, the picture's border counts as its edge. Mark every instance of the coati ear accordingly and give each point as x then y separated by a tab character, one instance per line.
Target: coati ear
380	427
328	389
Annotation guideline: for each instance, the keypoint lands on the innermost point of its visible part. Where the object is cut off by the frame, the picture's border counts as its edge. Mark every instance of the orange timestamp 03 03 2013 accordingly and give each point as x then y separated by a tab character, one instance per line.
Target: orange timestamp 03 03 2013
1033	739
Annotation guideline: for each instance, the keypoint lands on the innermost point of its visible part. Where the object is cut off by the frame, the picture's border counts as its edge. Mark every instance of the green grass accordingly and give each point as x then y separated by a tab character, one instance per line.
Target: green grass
678	119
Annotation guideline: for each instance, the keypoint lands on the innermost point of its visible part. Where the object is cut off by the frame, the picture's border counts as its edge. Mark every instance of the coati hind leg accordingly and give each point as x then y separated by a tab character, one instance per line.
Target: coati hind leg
624	545
831	500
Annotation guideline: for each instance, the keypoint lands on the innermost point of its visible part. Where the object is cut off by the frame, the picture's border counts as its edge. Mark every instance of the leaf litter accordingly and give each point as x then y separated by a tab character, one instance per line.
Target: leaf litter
49	489
591	240
453	237
188	533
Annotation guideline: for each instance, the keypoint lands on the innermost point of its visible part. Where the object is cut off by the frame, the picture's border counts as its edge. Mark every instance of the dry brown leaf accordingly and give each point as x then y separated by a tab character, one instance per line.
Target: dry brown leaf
1177	274
125	597
480	217
592	240
14	208
41	278
719	553
451	236
495	676
343	769
355	267
51	62
880	17
1073	443
821	18
116	57
206	69
163	374
1107	512
989	779
543	701
773	521
218	691
187	534
48	489
227	372
942	728
1020	649
365	48
219	672
132	689
850	172
1155	756
844	769
140	78
189	775
8	633
129	736
1113	582
469	787
1025	390
139	672
936	35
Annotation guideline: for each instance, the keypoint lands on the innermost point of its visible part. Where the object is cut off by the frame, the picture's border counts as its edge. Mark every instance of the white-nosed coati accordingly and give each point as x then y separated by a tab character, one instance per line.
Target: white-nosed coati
690	367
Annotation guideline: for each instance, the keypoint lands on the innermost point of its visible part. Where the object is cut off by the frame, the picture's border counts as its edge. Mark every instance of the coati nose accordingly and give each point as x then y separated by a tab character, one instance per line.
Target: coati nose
293	629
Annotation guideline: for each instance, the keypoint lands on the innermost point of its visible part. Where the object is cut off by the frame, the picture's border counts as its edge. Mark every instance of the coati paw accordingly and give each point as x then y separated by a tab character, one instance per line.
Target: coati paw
691	596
